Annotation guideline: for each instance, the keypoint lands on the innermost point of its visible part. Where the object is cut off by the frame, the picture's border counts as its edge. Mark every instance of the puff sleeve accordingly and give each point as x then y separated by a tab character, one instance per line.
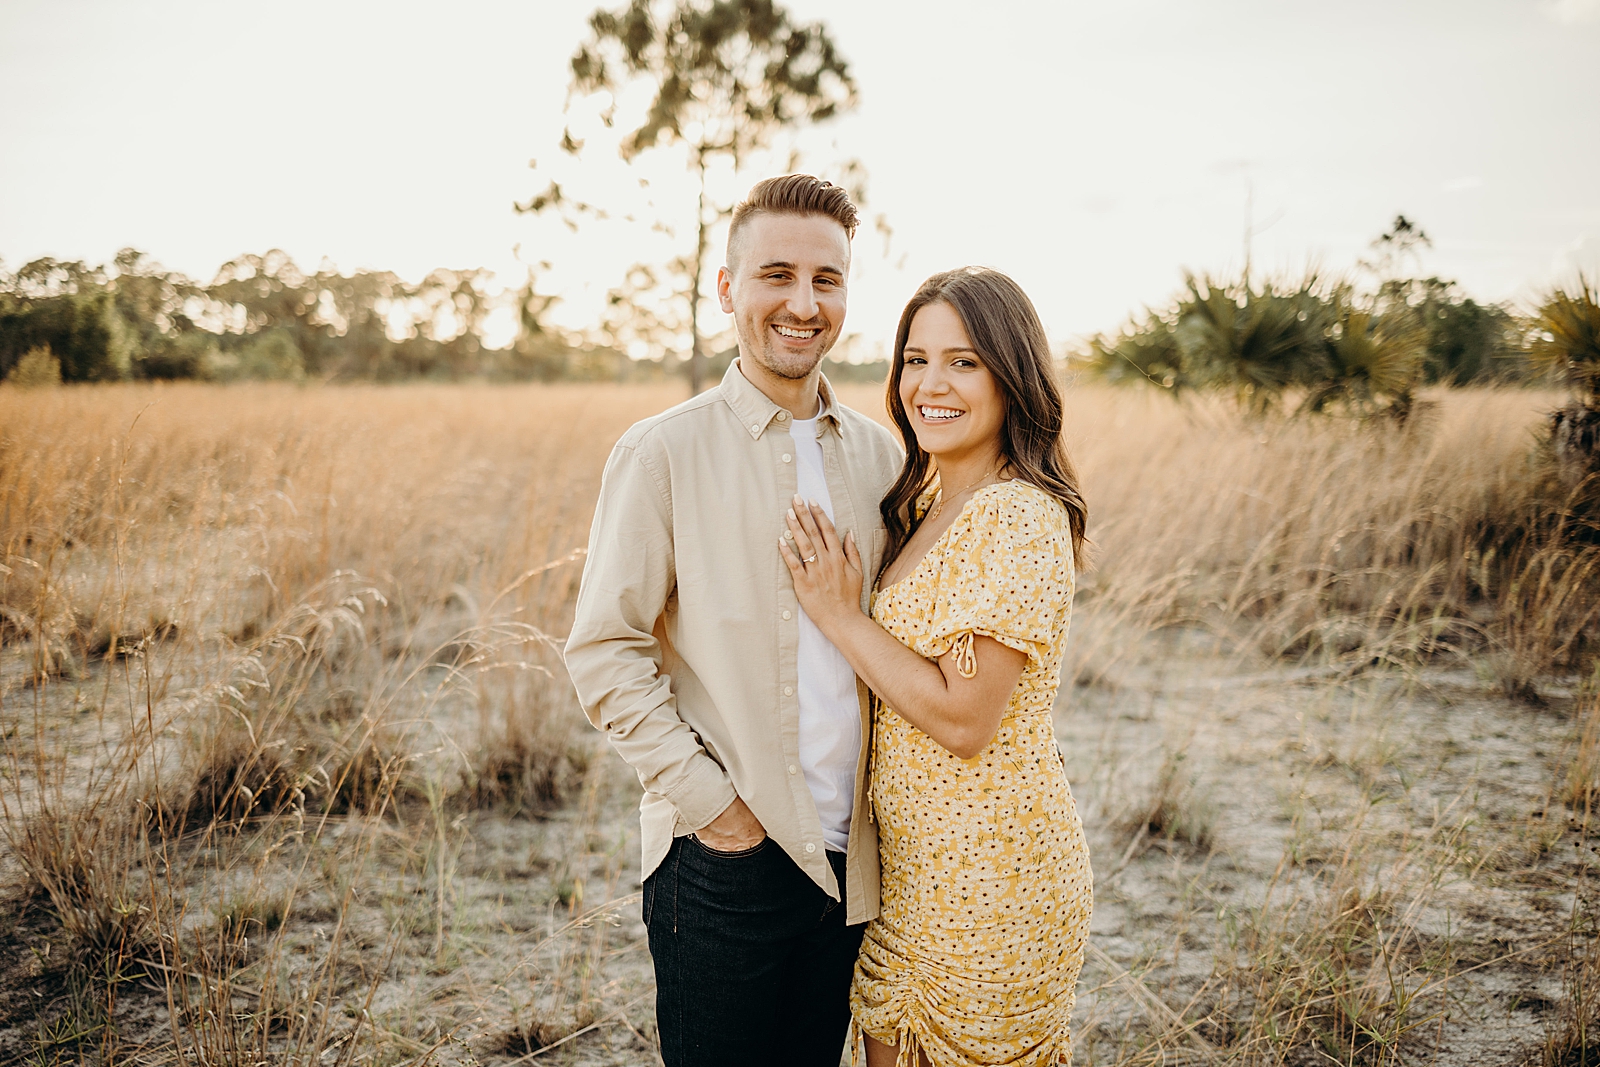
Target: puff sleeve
1008	575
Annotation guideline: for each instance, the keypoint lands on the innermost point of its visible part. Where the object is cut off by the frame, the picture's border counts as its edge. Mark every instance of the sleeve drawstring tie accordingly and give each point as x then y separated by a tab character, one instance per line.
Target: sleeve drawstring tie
966	659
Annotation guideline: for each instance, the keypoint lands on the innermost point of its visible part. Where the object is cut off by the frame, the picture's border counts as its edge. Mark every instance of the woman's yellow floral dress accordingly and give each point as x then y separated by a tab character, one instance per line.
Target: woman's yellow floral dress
986	882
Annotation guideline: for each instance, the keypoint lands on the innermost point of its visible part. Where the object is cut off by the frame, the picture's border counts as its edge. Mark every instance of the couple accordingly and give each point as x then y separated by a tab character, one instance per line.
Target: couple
832	666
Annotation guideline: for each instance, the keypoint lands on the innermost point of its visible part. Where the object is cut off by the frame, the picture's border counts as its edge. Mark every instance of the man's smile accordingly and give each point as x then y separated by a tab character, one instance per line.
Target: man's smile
797	333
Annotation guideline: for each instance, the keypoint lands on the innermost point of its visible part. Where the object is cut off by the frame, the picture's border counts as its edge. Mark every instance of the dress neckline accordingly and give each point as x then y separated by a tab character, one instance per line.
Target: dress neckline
937	541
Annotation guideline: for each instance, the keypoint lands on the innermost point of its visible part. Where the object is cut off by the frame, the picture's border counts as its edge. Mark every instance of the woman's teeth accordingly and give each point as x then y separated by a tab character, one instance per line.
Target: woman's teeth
940	414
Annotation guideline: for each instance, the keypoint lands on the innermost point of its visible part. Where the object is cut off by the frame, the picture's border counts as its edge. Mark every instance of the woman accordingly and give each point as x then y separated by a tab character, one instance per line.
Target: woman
986	882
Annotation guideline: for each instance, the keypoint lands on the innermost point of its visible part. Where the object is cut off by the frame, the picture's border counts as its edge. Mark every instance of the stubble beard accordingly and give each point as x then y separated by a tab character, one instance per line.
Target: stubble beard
775	361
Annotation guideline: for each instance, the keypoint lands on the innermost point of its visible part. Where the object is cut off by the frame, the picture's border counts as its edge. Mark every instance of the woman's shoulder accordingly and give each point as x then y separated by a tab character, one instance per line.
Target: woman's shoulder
1017	512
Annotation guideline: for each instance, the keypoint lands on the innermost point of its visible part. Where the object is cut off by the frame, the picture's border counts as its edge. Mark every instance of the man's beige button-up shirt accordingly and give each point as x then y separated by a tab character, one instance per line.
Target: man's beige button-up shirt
684	645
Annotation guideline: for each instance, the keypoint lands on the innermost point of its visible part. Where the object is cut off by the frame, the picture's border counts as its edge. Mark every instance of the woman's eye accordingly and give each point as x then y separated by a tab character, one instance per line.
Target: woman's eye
915	361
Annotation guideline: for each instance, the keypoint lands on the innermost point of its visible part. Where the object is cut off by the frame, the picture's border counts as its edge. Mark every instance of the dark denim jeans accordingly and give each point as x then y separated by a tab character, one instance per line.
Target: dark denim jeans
753	960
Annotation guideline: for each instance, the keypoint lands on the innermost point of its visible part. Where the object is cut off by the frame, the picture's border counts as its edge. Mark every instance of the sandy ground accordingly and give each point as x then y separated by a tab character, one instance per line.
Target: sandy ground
1423	793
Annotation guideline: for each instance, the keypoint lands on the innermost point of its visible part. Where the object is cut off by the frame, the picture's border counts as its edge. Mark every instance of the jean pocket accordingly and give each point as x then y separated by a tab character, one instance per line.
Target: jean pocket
707	850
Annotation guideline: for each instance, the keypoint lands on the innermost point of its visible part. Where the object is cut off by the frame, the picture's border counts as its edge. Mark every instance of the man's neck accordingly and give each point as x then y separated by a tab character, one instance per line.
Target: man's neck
800	397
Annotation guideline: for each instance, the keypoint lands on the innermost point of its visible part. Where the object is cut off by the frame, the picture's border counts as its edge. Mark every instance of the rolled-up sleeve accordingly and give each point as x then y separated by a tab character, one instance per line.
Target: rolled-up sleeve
612	654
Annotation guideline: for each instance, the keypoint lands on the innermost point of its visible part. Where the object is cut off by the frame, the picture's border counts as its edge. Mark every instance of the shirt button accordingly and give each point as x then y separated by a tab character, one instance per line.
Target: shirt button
785	614
791	768
787	457
783	416
810	848
788	690
755	427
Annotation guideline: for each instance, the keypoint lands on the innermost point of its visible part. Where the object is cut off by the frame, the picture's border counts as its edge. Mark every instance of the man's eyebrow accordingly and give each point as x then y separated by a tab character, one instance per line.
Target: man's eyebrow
779	264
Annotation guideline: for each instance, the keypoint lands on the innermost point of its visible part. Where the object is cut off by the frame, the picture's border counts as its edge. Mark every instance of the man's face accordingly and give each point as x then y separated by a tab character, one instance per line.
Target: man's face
785	288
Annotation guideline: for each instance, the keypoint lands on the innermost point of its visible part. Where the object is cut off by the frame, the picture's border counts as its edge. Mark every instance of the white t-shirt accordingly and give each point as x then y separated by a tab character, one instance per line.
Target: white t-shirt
830	717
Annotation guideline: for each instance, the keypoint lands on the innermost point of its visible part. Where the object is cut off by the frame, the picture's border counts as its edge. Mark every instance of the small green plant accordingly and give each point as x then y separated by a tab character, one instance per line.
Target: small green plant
37	367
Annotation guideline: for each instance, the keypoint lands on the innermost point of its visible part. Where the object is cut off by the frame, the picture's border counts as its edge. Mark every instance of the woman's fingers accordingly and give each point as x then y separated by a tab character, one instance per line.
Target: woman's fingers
808	522
830	536
802	540
811	518
791	560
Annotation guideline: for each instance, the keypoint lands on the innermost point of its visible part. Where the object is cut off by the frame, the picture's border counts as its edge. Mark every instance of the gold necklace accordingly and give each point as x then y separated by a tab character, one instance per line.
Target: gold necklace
938	505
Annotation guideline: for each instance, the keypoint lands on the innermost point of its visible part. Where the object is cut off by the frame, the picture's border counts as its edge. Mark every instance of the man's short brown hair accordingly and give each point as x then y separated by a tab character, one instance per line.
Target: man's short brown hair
795	194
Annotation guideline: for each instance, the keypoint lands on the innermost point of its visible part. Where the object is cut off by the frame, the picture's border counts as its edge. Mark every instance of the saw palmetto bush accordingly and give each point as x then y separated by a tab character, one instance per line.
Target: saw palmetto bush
1371	357
1312	346
1566	342
1250	343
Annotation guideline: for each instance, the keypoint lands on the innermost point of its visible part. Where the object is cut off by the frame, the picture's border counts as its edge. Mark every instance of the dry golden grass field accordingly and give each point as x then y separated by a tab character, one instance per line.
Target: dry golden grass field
291	772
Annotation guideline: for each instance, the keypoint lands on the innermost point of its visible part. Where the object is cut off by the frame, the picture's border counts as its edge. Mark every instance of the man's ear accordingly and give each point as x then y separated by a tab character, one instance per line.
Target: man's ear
725	289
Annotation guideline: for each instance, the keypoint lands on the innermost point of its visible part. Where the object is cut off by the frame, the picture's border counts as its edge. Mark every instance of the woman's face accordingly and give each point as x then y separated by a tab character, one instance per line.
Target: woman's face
954	403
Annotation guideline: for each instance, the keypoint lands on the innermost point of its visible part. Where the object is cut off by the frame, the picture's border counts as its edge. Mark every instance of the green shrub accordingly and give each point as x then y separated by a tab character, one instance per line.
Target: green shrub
36	368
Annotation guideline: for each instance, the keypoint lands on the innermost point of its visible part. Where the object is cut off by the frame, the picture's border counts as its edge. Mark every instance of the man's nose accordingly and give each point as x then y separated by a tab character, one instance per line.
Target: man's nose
803	302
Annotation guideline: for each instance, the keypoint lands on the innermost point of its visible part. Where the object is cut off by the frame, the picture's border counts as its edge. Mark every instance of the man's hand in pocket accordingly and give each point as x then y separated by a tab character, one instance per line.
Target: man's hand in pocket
735	830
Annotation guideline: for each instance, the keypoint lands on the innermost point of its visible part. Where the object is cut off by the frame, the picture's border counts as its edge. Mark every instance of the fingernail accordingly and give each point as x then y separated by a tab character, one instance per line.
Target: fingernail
793	516
816	505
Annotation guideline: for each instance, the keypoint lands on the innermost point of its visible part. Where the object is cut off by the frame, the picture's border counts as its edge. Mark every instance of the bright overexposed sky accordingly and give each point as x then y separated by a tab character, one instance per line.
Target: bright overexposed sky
1093	150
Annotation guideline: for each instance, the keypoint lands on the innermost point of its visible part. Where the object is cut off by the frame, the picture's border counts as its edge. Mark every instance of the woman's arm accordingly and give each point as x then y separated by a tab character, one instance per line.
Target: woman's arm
961	714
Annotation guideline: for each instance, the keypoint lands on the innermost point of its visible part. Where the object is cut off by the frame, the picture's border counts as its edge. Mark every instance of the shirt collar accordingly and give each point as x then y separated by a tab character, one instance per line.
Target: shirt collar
755	410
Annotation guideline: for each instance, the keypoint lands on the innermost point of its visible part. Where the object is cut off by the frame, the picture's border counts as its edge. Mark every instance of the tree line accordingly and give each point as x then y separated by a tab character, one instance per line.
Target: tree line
264	318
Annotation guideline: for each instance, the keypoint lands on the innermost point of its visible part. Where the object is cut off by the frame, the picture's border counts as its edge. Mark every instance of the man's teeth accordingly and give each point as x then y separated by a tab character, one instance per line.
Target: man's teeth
789	331
935	414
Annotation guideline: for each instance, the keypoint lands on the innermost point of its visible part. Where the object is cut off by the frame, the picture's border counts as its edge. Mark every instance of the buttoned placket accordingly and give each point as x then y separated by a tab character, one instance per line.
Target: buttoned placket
846	520
780	452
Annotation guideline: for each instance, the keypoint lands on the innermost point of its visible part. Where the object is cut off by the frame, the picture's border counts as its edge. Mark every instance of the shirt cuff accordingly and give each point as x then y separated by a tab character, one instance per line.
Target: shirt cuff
704	793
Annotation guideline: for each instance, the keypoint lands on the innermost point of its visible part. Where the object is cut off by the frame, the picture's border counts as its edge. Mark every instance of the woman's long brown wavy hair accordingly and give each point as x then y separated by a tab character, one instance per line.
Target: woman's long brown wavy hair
1005	329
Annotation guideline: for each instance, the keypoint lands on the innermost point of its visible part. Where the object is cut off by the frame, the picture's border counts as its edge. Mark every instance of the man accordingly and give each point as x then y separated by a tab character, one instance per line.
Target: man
690	650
